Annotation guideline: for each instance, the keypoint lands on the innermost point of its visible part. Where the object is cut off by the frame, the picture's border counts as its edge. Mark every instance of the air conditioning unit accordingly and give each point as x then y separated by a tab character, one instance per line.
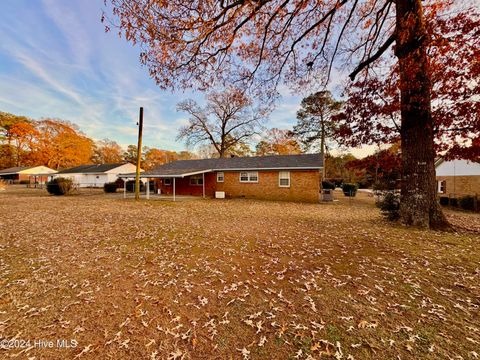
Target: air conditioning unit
219	194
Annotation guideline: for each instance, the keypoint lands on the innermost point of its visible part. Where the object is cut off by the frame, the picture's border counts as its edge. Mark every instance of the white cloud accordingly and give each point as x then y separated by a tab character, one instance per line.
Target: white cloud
72	29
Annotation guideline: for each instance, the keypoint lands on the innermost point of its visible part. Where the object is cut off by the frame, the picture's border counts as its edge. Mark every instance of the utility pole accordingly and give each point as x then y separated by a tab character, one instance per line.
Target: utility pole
139	154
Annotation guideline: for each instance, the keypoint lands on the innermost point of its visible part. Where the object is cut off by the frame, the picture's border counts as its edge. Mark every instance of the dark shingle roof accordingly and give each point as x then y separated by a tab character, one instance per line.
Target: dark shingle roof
274	162
15	170
91	168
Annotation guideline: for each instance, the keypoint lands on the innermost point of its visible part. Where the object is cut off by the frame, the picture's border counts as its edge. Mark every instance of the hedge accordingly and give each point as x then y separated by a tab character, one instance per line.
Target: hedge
350	189
60	186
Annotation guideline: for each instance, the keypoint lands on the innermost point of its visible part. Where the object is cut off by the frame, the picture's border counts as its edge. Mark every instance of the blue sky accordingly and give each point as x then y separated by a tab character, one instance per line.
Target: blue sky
57	61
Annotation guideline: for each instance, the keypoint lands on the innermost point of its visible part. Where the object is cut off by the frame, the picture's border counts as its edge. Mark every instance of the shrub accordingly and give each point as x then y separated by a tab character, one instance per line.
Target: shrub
385	184
328	185
467	203
336	181
390	206
24	182
110	187
60	186
454	202
364	184
130	186
349	189
444	200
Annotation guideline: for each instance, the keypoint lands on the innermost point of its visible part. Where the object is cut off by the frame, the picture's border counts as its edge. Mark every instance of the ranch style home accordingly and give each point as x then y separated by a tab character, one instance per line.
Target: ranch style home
279	177
95	175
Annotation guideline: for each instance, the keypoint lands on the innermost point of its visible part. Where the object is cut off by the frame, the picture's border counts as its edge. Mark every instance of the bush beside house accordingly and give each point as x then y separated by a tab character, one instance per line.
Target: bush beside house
468	202
110	187
350	189
60	186
390	205
328	185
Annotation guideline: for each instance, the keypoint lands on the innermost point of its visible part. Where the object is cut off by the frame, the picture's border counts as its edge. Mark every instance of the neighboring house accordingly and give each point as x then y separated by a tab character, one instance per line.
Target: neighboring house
281	177
95	175
36	174
458	177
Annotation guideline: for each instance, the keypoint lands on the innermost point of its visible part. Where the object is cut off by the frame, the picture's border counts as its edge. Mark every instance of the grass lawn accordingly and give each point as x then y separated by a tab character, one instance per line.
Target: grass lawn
232	279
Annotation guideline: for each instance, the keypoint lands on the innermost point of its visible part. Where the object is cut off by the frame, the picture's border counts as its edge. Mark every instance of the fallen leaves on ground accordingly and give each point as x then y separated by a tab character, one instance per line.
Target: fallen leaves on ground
239	279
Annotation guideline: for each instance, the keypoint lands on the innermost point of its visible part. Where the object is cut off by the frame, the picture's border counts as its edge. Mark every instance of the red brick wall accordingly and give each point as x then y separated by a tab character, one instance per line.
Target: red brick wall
183	187
304	186
460	185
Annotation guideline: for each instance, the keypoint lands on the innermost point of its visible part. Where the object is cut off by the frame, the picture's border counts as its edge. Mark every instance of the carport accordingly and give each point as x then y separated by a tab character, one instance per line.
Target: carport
172	174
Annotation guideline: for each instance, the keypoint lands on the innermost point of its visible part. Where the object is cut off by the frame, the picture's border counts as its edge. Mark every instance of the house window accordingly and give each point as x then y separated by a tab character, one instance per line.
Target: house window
167	182
284	178
249	176
442	187
220	176
196	180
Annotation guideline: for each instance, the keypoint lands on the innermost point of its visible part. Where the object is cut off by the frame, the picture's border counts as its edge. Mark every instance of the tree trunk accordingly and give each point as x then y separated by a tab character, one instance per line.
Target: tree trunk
418	206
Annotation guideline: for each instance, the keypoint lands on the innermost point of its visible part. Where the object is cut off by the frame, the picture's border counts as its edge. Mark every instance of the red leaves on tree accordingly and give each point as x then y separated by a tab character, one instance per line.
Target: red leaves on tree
372	111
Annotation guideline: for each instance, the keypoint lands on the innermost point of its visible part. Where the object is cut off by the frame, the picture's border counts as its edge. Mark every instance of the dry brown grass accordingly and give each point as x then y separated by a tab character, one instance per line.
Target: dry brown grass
232	279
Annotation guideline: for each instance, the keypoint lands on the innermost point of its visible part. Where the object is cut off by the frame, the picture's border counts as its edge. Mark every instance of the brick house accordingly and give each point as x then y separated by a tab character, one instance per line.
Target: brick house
457	177
280	177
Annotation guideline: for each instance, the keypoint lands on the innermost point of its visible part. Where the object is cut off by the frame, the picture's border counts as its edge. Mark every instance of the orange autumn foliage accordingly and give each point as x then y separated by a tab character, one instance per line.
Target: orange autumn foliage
60	144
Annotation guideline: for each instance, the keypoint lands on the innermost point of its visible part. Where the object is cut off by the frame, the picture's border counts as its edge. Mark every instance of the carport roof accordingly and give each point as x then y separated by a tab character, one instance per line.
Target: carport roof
15	170
184	168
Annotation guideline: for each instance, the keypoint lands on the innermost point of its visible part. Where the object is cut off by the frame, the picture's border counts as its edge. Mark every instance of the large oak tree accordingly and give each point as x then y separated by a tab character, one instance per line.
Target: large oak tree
60	144
372	111
259	44
107	151
14	134
50	142
228	120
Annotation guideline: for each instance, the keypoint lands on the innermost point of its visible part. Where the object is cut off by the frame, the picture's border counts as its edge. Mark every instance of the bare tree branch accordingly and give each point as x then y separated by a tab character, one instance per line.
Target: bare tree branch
391	39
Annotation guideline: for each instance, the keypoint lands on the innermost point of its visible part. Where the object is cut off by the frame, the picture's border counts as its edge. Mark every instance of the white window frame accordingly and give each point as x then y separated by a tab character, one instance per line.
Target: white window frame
169	183
441	188
220	175
250	176
197	180
286	176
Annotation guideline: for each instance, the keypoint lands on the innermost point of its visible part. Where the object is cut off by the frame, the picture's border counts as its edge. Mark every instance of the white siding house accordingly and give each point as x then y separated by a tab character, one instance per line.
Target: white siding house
96	175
